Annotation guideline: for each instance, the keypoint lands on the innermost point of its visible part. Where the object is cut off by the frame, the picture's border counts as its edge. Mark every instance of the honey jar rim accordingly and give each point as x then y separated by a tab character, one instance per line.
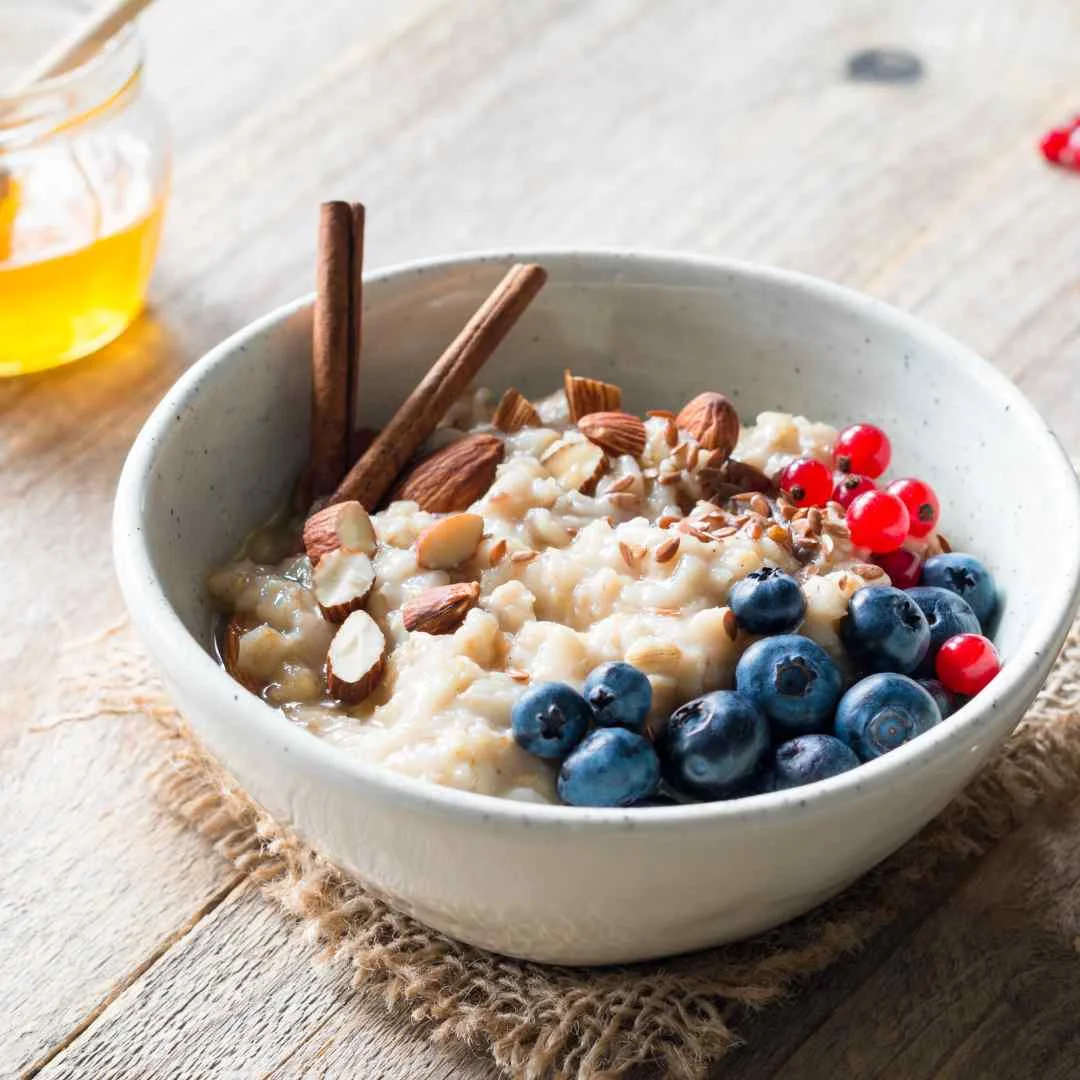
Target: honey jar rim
74	96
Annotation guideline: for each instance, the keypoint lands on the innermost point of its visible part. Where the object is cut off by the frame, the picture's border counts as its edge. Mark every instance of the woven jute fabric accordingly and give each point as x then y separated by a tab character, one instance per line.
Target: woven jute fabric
675	1017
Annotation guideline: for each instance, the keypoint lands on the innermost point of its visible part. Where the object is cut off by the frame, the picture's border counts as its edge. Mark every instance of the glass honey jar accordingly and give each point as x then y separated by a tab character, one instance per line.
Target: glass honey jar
84	168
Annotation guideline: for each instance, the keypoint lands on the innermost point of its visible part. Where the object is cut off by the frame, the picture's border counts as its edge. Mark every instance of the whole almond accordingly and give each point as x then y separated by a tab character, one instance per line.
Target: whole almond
585	396
712	420
449	541
440	610
514	412
454	477
615	432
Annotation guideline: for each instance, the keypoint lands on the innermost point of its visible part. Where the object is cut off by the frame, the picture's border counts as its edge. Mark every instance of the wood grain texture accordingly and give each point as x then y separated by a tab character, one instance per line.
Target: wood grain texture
722	127
985	986
239	996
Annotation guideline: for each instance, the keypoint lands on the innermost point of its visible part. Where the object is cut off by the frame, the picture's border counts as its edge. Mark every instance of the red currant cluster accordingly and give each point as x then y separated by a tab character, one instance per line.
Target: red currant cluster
878	520
1061	146
882	521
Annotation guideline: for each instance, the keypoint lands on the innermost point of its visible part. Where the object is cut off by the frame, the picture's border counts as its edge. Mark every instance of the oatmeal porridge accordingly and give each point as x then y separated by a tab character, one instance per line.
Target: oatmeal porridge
591	539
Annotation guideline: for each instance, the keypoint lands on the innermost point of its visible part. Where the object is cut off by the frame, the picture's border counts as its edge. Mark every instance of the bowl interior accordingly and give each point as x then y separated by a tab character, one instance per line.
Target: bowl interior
663	328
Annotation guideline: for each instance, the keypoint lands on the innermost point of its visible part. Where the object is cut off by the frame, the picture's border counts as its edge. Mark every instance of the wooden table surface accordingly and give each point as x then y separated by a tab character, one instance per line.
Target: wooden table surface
127	948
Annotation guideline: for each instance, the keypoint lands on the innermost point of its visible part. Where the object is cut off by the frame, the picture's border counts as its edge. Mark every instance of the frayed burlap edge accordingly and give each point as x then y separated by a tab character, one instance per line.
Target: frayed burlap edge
538	1021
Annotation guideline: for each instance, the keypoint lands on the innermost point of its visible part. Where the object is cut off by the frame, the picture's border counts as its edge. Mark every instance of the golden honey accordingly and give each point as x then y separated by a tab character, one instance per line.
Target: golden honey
83	184
65	306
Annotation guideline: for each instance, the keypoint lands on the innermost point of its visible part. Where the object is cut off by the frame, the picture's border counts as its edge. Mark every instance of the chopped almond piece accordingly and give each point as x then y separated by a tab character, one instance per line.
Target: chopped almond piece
514	412
341	582
341	525
585	396
449	542
356	658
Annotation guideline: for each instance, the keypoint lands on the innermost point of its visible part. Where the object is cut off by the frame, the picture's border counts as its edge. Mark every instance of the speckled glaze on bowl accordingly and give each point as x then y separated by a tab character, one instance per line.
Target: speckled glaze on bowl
561	884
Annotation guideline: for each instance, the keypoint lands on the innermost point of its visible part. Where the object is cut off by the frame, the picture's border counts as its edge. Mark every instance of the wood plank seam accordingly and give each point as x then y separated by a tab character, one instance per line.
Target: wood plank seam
133	976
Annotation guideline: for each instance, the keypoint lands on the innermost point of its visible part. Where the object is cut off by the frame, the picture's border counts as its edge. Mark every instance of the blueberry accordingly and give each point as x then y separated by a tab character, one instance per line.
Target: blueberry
620	695
610	767
714	745
965	576
947	614
946	701
885	630
550	719
809	758
767	601
881	712
792	680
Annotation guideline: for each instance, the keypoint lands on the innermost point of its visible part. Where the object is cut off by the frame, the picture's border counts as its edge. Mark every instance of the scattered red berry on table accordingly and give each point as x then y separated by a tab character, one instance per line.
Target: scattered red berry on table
850	486
807	482
903	567
1061	146
921	502
878	521
862	448
966	663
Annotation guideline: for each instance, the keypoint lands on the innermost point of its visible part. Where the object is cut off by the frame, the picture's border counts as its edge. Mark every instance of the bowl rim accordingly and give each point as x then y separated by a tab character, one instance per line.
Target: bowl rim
163	630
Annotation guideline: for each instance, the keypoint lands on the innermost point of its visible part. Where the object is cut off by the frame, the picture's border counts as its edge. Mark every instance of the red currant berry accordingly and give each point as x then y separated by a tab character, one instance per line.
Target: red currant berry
807	482
878	521
850	486
862	448
921	502
1053	143
903	567
966	663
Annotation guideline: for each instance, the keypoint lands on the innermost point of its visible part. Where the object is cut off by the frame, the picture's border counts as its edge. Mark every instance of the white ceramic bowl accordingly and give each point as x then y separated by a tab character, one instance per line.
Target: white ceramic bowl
572	885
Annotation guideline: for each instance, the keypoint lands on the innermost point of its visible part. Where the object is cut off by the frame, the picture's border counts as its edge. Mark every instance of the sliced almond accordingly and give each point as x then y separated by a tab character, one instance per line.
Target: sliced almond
356	658
440	610
585	396
615	432
712	420
454	477
515	412
449	542
236	628
341	582
340	525
577	466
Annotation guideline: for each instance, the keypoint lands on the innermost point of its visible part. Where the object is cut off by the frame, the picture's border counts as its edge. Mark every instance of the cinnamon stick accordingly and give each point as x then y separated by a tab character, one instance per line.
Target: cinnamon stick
331	348
372	476
356	336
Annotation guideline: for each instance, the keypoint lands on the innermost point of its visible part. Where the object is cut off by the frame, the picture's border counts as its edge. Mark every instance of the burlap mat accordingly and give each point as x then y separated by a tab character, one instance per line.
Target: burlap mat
537	1021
